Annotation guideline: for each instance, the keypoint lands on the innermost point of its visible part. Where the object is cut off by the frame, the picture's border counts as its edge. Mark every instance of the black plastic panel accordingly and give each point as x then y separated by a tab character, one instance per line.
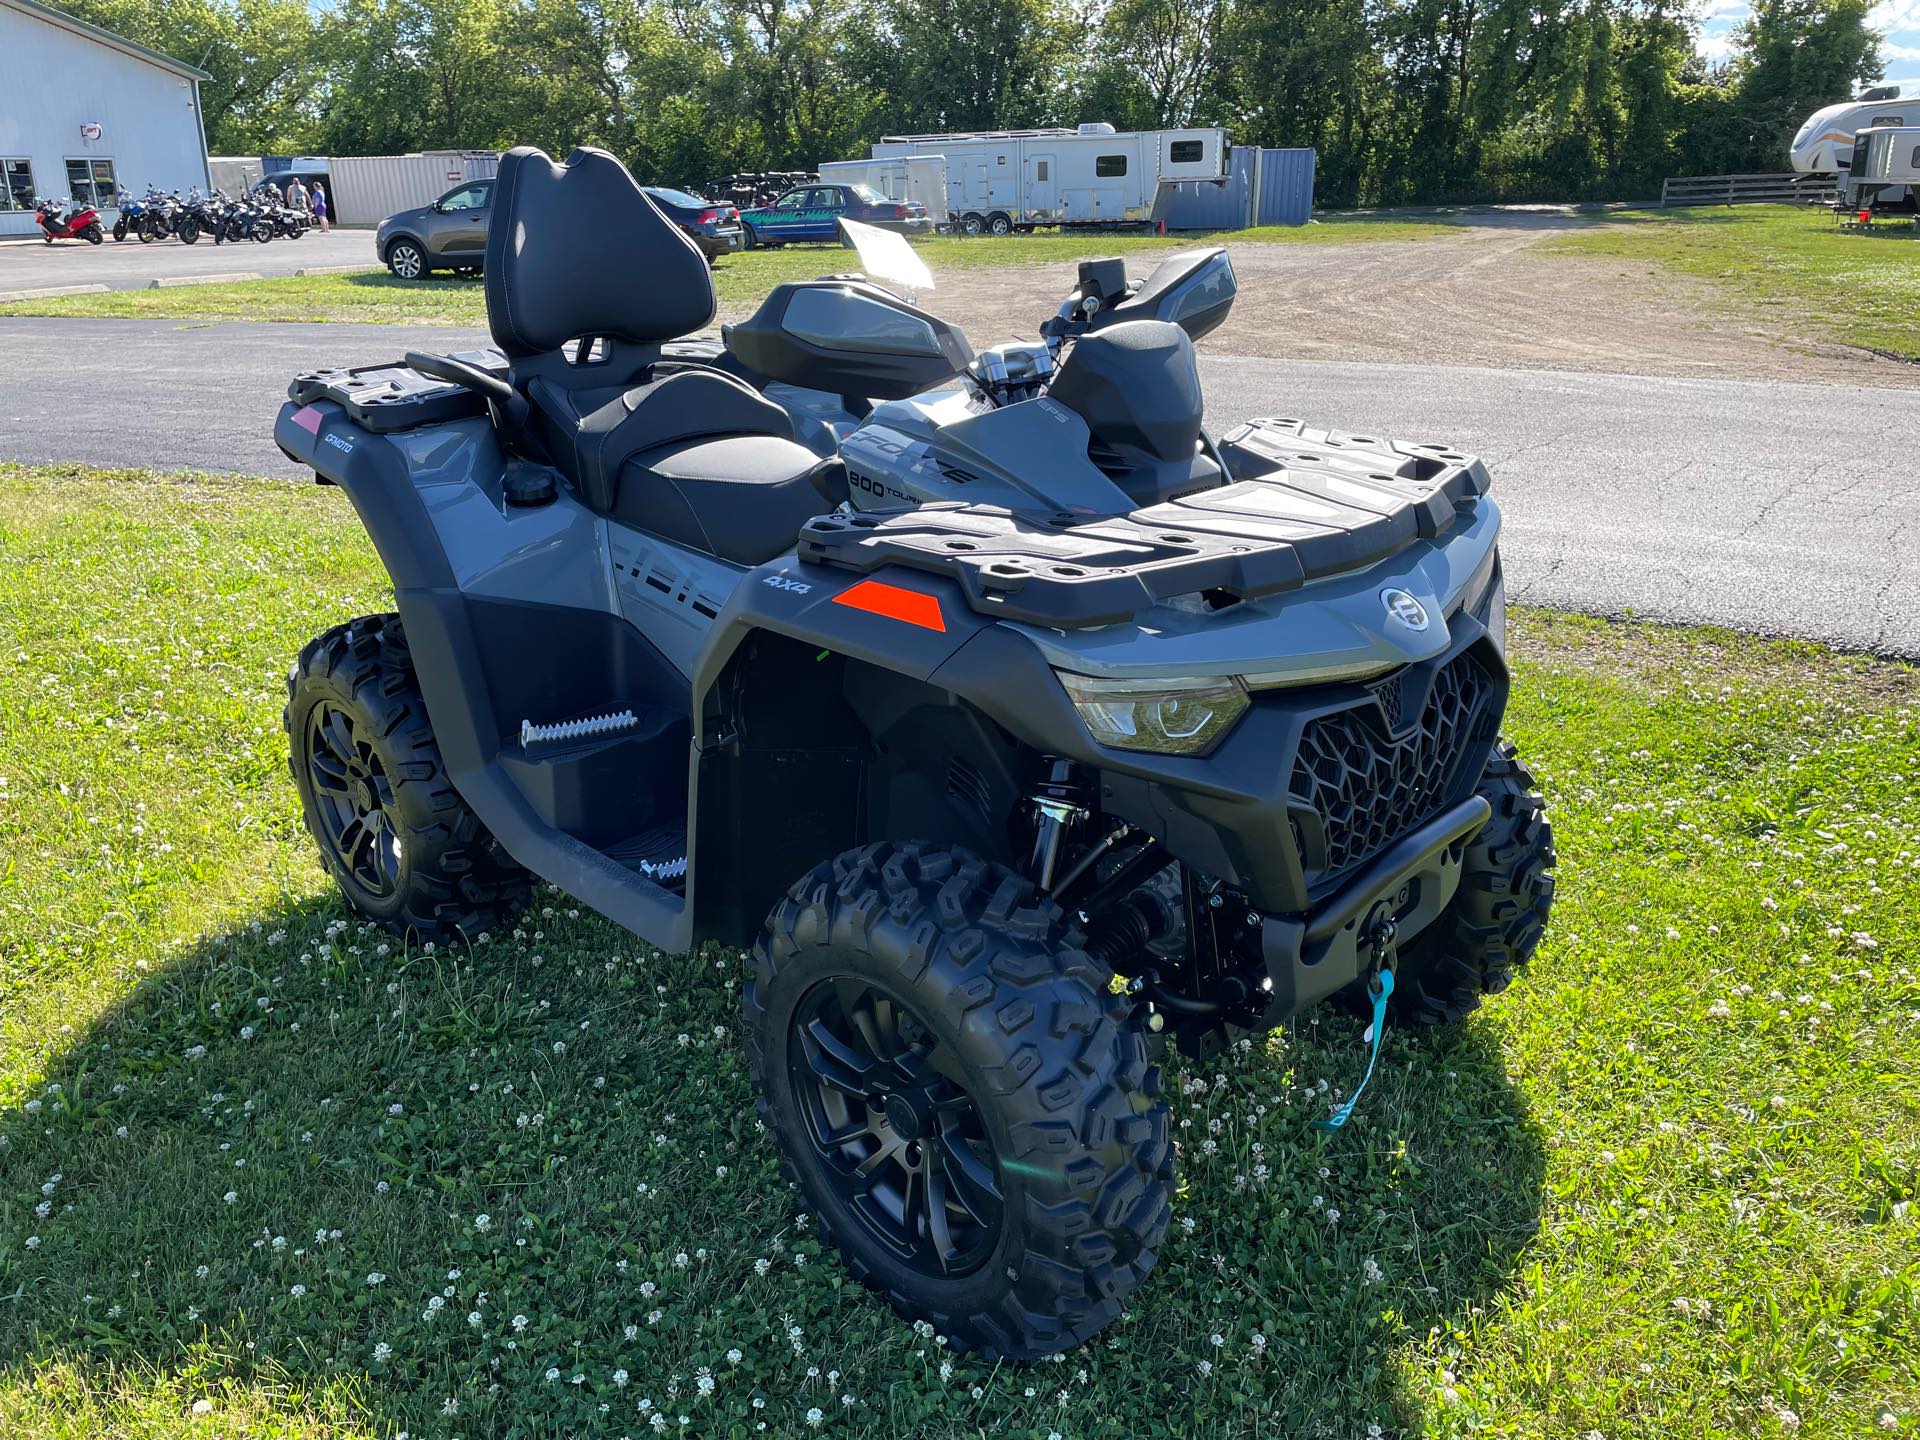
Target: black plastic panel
390	397
1302	504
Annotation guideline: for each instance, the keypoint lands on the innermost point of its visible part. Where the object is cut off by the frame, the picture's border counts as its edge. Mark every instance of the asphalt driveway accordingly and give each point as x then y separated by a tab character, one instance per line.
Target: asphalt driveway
1720	501
129	265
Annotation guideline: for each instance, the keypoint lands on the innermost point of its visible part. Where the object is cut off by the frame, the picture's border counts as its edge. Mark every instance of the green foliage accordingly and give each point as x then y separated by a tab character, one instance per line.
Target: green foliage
264	1172
1408	101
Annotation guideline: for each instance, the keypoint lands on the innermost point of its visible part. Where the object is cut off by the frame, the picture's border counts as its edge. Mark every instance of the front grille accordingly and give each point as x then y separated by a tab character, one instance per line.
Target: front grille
1365	786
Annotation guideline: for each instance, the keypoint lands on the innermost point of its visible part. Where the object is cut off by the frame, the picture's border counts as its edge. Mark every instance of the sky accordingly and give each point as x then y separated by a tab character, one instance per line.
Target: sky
1898	22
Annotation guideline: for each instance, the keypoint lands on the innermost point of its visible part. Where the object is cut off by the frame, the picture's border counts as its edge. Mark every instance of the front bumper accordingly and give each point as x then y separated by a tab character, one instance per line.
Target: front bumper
1309	957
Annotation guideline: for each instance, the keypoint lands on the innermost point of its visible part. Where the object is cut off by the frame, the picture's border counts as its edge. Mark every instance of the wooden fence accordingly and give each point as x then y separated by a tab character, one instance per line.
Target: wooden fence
1780	188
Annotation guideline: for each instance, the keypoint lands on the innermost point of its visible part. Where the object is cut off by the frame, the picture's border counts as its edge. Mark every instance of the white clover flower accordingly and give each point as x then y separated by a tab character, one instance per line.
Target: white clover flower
382	1352
552	1374
814	1417
734	1357
519	1323
231	1196
473	1317
374	1277
620	1378
297	1291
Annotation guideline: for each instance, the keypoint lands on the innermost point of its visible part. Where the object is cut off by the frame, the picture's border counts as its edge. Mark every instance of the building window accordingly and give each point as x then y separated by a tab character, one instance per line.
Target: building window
16	184
1040	171
1109	167
1187	152
90	182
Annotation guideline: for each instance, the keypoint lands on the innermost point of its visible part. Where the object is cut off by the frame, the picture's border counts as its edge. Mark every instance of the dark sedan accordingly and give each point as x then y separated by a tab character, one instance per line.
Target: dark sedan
814	212
715	228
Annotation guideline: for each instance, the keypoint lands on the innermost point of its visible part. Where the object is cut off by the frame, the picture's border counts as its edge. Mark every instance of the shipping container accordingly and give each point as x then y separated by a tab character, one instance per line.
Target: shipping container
1262	187
368	188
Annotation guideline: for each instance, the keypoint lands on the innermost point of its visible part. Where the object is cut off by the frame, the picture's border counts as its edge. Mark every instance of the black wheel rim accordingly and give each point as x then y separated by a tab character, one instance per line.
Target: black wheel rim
896	1132
354	800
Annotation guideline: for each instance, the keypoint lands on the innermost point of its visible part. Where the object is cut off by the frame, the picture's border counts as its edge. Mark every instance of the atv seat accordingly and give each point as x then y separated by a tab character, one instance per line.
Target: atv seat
577	252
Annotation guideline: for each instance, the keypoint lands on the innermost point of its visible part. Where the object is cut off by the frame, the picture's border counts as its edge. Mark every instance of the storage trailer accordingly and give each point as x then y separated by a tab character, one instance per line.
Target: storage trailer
921	179
999	181
1884	170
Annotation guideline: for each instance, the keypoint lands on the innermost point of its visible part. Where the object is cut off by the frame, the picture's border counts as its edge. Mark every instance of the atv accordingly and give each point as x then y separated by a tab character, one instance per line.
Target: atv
1020	726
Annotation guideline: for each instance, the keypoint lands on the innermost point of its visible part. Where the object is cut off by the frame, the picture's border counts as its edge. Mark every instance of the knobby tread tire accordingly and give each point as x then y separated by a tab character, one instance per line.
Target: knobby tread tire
455	879
997	968
1495	920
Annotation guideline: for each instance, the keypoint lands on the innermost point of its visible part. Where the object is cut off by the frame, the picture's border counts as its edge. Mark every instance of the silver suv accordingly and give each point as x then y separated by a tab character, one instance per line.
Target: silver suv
450	234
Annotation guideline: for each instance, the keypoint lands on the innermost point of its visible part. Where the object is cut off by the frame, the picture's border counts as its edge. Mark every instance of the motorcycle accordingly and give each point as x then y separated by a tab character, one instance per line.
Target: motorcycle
199	214
57	222
128	222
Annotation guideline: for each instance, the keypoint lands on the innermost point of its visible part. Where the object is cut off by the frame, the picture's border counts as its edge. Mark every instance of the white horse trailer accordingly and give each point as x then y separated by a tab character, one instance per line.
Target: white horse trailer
999	181
1824	145
921	179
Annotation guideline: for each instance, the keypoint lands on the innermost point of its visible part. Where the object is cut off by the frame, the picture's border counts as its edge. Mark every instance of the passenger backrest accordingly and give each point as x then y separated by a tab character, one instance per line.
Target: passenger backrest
579	250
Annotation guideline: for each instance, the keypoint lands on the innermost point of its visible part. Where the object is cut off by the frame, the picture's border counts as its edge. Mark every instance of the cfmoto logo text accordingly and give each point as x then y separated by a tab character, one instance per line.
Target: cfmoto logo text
1403	607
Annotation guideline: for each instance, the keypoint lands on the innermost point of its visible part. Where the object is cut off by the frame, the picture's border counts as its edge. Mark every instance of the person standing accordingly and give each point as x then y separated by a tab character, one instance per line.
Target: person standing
320	205
297	198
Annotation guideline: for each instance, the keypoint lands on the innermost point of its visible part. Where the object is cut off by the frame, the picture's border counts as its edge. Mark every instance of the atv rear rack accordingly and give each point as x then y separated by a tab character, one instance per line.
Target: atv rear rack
1304	504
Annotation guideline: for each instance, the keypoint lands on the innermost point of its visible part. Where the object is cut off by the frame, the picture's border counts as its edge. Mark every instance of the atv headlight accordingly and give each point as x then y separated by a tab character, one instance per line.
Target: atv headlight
1185	715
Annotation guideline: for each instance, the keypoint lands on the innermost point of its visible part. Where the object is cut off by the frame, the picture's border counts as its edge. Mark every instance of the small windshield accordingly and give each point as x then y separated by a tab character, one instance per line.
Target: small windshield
887	257
870	195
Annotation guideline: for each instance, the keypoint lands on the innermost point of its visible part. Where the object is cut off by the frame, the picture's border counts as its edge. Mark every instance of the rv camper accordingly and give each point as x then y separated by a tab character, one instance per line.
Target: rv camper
999	181
1825	143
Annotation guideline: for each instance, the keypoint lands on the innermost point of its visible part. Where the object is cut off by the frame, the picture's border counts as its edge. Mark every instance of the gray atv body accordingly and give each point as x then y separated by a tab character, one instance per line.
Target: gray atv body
1017	723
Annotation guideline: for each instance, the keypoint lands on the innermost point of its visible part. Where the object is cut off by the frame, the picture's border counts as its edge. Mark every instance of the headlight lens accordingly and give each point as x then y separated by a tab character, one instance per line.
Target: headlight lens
1182	715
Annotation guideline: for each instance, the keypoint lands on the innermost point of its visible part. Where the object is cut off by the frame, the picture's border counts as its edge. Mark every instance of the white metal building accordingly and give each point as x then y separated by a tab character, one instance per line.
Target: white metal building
84	112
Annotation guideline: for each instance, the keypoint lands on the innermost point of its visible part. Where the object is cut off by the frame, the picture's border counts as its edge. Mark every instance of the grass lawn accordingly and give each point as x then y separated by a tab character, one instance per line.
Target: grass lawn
376	297
264	1172
1782	263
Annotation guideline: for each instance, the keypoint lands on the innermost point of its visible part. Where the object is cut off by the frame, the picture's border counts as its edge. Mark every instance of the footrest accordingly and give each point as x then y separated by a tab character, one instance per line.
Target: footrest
659	854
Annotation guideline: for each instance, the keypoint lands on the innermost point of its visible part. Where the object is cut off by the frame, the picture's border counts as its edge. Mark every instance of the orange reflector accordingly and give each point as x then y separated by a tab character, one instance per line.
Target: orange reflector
876	597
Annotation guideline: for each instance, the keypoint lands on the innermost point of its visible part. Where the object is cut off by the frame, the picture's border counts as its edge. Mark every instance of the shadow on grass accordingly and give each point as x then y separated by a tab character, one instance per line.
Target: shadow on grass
267	1168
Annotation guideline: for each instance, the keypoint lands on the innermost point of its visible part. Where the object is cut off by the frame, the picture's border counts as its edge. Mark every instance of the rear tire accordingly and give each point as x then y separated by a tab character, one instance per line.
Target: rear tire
93	234
998	224
1024	1097
404	848
1495	920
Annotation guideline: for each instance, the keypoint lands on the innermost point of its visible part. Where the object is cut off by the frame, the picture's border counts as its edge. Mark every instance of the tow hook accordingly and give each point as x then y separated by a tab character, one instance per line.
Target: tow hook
1382	940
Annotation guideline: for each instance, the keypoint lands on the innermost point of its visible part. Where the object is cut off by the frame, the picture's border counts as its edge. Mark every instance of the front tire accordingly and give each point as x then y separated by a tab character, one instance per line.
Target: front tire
1493	924
120	228
403	846
973	224
960	1097
406	260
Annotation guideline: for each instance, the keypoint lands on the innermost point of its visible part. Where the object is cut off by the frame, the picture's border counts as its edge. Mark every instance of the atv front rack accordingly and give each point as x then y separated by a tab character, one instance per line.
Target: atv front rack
1302	504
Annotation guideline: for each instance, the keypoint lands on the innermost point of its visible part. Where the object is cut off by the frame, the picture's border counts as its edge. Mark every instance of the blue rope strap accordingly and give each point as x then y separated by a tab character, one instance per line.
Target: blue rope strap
1377	1029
